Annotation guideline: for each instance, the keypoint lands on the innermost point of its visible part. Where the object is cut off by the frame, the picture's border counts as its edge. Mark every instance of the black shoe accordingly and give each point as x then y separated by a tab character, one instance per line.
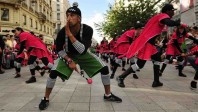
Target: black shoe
120	82
1	72
138	70
193	85
123	69
42	72
135	76
44	104
17	76
112	76
182	75
31	80
157	84
113	98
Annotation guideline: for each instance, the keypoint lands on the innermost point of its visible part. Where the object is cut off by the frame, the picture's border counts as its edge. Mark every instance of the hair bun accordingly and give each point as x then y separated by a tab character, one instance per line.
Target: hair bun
75	4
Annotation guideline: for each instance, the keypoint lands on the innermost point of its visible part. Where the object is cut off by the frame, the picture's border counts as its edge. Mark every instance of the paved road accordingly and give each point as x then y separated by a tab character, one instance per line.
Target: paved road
75	95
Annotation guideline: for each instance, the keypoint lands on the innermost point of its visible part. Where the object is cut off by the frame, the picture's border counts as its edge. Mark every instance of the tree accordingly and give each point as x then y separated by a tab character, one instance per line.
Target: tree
123	16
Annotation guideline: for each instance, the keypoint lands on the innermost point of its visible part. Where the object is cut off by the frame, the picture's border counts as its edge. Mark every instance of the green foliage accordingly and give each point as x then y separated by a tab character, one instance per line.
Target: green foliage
122	17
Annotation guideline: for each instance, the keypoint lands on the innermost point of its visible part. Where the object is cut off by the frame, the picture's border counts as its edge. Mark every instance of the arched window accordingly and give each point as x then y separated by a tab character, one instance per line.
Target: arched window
4	14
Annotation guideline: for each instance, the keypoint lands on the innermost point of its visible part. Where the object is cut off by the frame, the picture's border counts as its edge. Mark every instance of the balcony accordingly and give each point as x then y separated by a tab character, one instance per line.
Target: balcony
41	17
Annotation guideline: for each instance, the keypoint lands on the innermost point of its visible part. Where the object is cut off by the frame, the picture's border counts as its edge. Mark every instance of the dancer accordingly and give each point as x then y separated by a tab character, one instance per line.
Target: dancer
174	49
35	48
76	43
192	58
145	45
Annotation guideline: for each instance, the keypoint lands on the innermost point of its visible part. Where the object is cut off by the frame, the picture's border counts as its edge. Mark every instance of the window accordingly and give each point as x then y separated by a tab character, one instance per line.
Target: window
31	22
36	24
57	0
58	27
58	7
24	19
41	27
44	28
58	16
4	14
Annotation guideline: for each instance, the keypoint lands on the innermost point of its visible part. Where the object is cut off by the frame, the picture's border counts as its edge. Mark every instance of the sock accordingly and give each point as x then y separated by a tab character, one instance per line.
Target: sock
108	95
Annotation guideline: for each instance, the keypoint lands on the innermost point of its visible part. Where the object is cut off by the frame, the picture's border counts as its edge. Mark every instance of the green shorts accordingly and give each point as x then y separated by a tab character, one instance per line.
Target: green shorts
89	62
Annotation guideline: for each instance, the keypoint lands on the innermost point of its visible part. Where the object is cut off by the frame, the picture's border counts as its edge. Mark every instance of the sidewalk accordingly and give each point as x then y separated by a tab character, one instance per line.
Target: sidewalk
75	95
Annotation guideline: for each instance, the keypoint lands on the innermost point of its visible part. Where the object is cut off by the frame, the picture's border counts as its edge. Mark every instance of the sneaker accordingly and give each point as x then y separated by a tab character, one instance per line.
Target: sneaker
135	76
44	104
120	82
113	98
193	85
17	76
1	72
123	69
182	75
157	84
31	80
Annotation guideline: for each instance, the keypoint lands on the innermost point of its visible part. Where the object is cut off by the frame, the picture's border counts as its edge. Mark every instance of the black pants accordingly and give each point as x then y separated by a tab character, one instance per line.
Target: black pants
31	61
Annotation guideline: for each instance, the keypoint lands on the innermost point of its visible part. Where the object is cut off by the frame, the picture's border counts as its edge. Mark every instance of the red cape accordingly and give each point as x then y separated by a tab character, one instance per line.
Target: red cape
151	29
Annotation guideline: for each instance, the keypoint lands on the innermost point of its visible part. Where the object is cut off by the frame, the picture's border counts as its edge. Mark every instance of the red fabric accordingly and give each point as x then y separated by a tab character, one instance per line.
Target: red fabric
171	48
112	44
122	43
103	47
39	48
151	29
146	52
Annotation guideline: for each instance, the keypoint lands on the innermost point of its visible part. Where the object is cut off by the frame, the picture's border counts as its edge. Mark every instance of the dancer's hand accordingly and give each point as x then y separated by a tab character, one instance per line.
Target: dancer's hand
72	65
183	54
67	29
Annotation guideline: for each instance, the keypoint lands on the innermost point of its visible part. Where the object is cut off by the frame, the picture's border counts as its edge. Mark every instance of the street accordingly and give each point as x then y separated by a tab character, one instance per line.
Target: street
75	95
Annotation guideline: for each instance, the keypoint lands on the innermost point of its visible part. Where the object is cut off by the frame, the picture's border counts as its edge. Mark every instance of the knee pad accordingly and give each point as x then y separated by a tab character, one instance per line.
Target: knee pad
181	63
118	61
31	66
166	61
17	65
50	82
124	59
132	60
50	65
105	70
135	67
157	63
105	79
35	63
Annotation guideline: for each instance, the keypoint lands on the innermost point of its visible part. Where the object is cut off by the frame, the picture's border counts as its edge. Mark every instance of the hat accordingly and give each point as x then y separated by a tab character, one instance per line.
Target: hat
167	7
74	9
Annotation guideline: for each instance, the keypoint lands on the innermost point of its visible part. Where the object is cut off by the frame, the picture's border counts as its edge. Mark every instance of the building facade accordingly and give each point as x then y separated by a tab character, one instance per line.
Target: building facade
187	11
59	8
31	15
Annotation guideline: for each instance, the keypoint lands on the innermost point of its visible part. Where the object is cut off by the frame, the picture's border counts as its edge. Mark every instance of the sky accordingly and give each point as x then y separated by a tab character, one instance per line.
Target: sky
93	12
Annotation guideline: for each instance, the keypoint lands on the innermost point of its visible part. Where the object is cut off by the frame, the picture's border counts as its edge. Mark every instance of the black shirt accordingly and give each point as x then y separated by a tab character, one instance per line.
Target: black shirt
85	40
